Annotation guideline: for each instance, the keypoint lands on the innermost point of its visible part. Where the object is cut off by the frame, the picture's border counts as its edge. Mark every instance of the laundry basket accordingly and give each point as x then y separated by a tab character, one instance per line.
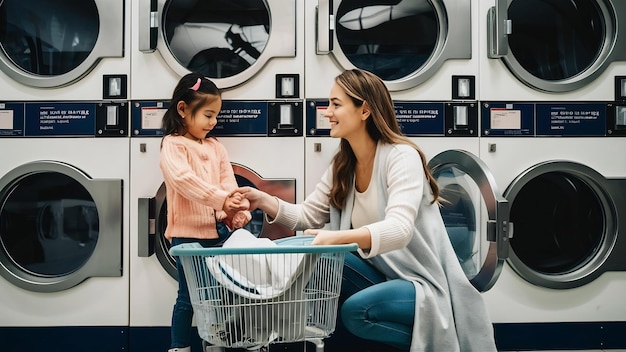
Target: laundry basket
250	297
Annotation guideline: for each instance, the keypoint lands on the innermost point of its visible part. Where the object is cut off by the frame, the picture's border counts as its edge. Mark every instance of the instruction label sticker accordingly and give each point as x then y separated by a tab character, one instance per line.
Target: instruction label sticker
60	119
152	117
6	120
147	118
420	118
316	124
321	122
571	119
507	119
502	119
242	118
11	119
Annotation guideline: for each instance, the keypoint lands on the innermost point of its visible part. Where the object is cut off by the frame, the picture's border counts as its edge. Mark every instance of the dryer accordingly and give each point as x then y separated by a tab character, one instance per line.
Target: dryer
63	226
420	48
64	50
249	48
542	50
424	51
565	180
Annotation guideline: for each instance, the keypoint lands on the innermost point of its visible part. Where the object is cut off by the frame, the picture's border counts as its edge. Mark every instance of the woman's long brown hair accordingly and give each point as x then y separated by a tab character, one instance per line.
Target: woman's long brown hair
382	125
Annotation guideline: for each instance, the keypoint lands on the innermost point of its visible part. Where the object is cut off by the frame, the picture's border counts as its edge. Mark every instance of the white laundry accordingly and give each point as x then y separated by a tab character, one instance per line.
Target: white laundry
267	300
255	276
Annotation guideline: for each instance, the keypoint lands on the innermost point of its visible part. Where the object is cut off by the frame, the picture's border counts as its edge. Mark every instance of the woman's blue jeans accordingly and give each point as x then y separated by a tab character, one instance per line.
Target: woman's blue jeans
374	308
183	311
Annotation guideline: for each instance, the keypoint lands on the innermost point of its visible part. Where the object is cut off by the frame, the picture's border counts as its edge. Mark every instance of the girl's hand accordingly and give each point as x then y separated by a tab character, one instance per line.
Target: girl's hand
220	215
235	202
240	219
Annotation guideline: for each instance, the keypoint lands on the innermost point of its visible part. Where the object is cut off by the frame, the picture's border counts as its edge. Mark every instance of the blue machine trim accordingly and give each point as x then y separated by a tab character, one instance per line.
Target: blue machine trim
65	339
156	338
509	337
560	336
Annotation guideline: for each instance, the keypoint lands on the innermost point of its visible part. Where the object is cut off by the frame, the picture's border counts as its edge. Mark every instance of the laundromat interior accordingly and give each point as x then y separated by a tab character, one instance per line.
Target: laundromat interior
519	106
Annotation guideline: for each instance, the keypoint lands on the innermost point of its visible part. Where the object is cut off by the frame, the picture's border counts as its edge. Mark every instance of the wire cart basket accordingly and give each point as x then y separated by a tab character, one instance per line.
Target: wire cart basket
251	297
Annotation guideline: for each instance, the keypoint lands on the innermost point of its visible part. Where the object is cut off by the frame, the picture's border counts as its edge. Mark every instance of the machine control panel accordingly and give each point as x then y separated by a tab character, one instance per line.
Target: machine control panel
567	119
453	119
72	119
282	118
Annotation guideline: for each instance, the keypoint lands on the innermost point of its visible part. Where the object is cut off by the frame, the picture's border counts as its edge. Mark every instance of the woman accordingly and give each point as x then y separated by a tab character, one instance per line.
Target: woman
405	287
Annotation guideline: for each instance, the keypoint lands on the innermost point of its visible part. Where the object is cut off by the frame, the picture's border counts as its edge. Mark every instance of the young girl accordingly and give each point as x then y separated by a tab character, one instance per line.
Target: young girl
200	184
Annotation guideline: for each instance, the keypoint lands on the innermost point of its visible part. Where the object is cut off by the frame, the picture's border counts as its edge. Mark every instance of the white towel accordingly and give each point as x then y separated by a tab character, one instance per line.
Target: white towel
256	276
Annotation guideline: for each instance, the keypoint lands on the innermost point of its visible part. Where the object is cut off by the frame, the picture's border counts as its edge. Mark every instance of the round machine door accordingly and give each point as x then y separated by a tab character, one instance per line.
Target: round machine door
404	42
557	46
475	214
227	41
566	220
52	43
58	227
155	215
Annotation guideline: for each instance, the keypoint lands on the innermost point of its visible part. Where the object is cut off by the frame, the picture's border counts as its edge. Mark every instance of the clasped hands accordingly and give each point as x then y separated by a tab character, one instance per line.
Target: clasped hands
236	208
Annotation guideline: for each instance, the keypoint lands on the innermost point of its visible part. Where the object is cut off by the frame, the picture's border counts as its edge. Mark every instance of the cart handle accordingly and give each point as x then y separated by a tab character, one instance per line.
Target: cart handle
195	249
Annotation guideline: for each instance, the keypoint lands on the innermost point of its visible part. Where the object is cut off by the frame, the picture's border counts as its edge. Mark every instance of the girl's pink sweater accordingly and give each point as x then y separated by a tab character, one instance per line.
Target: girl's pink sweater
198	177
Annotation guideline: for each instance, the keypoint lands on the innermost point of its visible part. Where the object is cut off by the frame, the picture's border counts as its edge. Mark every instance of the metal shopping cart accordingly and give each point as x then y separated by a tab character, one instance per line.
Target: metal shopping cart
251	297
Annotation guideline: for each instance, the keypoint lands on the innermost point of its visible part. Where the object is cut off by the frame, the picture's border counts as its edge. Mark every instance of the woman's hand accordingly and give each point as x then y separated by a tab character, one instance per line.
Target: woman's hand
252	195
260	200
322	237
360	236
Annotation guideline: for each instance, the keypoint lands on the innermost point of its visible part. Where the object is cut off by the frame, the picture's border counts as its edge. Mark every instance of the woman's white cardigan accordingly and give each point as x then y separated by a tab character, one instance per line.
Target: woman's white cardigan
409	242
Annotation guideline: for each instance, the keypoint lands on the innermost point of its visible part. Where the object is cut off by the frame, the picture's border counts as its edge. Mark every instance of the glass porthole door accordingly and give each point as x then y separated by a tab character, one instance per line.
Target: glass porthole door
475	214
403	42
227	41
556	46
52	43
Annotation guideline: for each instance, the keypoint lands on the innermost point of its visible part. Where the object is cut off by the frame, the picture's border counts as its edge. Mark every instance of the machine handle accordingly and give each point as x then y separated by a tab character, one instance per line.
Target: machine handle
498	30
146	228
148	25
500	230
325	26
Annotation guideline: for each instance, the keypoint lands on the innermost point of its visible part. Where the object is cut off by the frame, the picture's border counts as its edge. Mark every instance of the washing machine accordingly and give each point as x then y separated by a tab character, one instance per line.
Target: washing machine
64	50
565	179
64	226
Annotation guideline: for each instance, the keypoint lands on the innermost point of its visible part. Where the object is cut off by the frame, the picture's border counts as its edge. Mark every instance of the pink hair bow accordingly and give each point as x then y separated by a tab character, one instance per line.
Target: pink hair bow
196	86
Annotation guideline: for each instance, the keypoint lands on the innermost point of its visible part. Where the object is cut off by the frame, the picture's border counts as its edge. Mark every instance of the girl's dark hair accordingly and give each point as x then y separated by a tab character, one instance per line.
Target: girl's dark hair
195	90
363	86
